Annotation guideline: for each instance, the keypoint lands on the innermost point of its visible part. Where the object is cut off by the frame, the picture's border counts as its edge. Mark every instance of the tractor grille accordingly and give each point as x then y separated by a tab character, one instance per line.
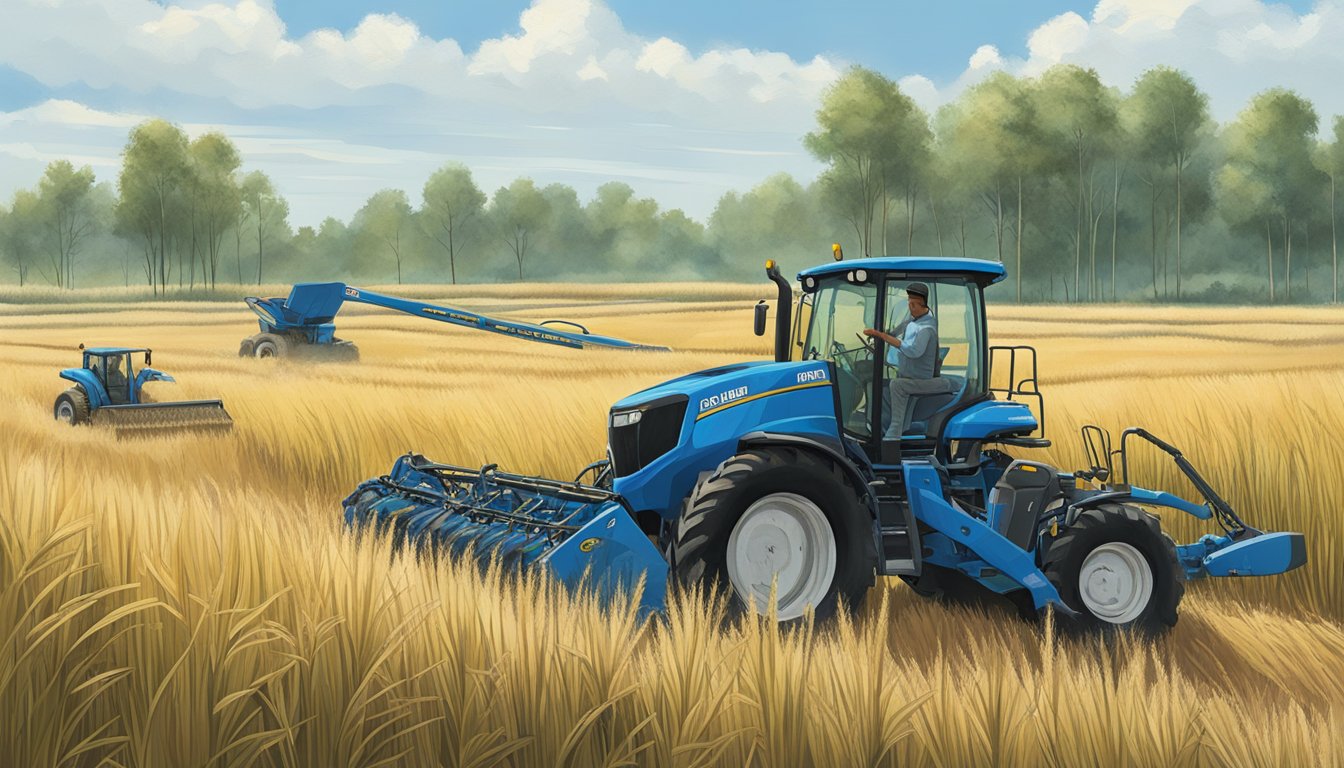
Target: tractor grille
635	446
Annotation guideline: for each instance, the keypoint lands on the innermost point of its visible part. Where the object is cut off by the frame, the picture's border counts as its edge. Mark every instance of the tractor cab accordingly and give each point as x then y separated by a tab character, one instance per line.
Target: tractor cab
113	368
843	300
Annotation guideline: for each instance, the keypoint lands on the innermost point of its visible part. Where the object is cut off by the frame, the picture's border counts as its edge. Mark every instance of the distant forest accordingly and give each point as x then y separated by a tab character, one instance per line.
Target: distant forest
1087	193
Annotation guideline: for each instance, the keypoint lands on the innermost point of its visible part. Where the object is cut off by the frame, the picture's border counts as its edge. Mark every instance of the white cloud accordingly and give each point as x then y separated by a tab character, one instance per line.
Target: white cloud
986	56
394	102
63	112
1232	49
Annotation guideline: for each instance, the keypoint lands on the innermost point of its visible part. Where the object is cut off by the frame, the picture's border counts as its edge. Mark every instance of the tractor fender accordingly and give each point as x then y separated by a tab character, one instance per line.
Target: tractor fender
93	388
829	449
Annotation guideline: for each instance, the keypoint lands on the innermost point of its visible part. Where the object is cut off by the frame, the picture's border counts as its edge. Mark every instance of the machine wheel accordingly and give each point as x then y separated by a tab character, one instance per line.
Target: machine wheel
270	345
778	514
72	407
1117	569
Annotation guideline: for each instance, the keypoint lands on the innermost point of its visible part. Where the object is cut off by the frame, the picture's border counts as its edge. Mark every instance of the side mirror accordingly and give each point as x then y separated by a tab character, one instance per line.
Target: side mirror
762	309
148	357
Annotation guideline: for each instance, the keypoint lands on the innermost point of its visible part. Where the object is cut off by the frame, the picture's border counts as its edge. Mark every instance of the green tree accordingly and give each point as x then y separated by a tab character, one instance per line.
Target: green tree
267	208
1077	112
876	142
1269	175
1171	119
1330	160
776	219
21	232
519	211
64	205
217	199
623	226
992	147
154	168
452	201
384	217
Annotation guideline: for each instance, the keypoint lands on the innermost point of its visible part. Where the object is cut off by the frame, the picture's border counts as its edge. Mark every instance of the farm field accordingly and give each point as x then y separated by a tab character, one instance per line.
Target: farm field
192	600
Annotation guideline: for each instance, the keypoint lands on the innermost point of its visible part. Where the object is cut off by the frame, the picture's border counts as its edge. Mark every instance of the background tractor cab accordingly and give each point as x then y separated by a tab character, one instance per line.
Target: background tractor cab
843	298
108	375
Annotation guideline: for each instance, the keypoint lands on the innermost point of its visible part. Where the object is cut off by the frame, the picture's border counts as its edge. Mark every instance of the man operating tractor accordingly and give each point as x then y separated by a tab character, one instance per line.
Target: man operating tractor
912	350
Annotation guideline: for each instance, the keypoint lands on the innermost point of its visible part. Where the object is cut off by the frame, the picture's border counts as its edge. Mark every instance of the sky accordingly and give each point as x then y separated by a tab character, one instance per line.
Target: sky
684	102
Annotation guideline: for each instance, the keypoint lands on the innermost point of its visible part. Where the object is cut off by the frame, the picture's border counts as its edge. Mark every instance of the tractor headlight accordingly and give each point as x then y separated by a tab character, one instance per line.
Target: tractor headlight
626	419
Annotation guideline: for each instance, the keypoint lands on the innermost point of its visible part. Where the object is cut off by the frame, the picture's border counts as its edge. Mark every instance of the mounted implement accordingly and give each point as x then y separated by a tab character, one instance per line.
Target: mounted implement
803	478
109	392
304	323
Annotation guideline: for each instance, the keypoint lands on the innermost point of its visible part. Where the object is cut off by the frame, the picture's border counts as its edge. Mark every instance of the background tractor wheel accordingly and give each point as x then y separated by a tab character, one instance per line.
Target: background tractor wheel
781	514
1118	570
270	345
72	407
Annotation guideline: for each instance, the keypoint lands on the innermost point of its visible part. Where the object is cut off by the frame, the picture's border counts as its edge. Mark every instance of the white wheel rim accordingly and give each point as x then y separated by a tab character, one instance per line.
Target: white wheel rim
786	539
265	349
1115	583
65	412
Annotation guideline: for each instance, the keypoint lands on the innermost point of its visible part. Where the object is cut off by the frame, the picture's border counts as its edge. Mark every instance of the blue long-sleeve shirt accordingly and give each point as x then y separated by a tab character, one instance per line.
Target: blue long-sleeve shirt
918	352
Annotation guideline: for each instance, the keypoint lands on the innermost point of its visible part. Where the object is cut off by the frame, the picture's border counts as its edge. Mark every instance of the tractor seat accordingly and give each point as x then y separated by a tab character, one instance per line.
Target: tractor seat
925	406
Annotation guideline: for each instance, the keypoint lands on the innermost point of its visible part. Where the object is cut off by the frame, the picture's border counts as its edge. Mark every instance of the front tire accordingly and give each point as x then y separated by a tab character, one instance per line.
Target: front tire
778	515
270	345
1118	570
72	407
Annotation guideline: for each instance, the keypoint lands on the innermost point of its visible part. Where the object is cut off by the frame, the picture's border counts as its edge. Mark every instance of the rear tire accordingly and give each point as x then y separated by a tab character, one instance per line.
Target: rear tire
72	407
778	512
270	345
1118	570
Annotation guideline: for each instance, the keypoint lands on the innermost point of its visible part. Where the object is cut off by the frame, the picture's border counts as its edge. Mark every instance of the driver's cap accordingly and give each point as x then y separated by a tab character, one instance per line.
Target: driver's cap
918	289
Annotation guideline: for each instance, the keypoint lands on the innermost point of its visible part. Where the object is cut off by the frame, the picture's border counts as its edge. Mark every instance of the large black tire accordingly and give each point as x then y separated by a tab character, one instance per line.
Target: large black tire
270	345
1128	529
72	407
701	535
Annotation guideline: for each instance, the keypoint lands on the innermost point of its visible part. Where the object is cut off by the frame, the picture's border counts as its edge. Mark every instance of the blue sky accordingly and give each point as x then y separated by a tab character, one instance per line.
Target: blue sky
935	38
682	101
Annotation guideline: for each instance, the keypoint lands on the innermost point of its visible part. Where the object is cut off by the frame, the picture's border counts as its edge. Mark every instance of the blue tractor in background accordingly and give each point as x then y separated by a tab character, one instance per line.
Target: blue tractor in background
108	390
780	478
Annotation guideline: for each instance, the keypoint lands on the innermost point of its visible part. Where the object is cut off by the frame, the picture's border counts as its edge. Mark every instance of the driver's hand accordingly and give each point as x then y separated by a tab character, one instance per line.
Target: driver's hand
871	332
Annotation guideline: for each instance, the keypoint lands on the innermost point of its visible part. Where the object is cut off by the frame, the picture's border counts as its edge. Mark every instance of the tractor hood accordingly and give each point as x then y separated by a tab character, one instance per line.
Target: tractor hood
661	439
700	383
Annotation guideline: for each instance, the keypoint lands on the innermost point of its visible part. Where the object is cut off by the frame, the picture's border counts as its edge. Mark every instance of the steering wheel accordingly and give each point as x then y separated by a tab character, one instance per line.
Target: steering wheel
868	342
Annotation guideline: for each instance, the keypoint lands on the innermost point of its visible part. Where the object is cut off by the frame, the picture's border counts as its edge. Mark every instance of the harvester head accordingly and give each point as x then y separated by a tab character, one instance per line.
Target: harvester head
575	531
146	419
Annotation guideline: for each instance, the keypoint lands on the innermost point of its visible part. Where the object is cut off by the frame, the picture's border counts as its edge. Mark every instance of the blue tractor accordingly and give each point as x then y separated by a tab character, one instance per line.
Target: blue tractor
784	478
108	390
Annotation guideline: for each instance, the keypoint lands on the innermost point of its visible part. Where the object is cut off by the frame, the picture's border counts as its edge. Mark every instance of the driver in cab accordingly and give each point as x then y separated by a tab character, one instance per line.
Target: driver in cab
912	348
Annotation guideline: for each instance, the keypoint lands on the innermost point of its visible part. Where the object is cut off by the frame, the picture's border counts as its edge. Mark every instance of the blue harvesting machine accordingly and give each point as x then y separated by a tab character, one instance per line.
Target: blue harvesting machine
784	478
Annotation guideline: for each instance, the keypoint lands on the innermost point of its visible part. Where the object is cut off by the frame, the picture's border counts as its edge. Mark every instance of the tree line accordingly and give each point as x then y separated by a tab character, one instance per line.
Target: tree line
1085	191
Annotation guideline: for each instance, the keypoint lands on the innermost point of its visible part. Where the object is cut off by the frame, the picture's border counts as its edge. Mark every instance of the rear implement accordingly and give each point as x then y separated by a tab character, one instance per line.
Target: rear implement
575	531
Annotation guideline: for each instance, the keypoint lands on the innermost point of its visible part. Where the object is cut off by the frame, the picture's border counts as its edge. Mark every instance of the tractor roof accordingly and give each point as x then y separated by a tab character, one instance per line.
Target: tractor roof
104	351
983	272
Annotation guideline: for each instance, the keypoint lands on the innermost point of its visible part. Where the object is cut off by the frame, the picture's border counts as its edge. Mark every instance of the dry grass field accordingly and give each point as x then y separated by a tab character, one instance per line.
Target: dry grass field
193	601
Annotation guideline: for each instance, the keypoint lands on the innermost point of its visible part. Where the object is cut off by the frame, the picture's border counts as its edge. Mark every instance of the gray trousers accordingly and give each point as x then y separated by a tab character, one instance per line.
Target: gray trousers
900	391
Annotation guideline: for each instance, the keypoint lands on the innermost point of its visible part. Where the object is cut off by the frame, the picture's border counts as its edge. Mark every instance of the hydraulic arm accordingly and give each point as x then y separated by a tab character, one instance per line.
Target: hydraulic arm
307	318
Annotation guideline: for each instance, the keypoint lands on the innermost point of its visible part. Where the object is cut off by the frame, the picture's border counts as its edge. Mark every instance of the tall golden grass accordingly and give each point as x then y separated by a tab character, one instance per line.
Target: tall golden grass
192	600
